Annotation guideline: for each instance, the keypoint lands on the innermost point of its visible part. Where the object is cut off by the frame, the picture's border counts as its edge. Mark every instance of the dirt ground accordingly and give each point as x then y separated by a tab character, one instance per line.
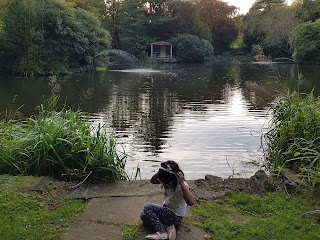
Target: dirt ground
211	187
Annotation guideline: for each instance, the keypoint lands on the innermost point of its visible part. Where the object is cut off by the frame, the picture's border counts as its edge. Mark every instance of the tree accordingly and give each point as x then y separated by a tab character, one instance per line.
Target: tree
97	7
114	18
189	20
46	37
266	5
308	10
305	41
218	16
134	34
269	23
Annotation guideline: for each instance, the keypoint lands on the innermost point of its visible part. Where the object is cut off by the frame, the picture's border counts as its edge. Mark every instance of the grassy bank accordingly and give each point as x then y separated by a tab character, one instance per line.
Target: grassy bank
276	216
31	209
35	206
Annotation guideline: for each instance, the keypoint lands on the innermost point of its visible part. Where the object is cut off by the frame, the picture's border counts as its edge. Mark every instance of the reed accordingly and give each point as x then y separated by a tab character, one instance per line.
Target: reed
60	144
293	141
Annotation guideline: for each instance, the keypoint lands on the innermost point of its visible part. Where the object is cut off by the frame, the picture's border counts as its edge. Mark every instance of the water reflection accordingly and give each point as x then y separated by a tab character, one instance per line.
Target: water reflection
209	119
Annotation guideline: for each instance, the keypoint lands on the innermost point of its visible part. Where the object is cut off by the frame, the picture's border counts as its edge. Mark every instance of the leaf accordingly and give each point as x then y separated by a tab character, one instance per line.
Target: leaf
297	154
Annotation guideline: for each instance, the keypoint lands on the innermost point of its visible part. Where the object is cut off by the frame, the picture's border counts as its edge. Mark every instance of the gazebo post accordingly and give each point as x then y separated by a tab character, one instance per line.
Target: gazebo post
151	50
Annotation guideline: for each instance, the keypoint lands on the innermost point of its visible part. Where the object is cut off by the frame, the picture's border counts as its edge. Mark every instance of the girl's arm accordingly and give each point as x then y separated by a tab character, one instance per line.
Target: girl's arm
155	178
187	195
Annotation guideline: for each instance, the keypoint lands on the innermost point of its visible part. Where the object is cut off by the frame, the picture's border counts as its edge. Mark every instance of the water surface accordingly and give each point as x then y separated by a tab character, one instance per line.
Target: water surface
207	118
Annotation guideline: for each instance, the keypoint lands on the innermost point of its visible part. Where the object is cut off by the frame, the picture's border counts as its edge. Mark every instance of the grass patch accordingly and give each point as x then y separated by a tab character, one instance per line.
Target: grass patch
276	216
131	232
26	214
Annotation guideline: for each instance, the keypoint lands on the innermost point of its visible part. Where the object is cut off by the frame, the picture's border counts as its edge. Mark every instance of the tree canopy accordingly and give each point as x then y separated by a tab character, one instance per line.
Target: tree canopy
135	24
47	37
305	41
55	36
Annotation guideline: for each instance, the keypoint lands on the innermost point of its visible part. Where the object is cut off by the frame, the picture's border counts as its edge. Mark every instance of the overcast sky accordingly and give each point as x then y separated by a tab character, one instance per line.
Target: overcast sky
244	5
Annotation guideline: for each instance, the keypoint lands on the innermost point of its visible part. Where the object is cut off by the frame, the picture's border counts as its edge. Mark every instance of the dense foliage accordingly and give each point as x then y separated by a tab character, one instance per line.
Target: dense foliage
55	36
135	24
270	23
293	141
190	48
59	144
305	41
46	37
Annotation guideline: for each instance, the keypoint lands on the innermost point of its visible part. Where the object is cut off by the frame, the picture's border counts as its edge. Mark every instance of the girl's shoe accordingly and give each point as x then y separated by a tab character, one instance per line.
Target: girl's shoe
157	236
172	233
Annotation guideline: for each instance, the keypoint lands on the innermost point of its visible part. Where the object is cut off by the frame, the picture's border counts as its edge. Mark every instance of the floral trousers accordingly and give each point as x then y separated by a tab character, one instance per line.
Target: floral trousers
159	217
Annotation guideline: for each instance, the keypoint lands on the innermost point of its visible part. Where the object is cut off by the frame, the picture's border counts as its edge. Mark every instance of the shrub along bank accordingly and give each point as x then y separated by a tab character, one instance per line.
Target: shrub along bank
293	141
59	144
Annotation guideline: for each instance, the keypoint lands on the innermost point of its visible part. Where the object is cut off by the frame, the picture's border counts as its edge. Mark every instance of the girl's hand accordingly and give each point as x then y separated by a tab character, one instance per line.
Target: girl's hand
187	195
180	177
155	178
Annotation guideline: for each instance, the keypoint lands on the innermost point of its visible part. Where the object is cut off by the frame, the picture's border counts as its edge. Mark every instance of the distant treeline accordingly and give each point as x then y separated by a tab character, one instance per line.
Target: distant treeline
55	36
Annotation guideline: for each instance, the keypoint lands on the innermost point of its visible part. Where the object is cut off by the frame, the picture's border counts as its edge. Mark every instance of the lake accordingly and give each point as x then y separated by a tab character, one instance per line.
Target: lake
209	119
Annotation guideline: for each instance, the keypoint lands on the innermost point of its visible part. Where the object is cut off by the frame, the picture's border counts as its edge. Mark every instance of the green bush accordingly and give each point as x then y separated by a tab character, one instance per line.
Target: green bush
47	37
305	41
190	48
59	144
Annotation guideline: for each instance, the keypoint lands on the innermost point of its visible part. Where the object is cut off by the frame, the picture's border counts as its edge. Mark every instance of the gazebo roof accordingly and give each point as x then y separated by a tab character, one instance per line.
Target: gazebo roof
161	43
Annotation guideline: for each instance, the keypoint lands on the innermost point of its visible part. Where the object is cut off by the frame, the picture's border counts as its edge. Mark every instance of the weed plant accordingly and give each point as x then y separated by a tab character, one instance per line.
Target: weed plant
59	144
293	141
131	232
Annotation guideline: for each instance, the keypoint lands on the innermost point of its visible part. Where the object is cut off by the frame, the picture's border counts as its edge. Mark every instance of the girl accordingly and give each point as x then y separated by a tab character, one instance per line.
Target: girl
164	218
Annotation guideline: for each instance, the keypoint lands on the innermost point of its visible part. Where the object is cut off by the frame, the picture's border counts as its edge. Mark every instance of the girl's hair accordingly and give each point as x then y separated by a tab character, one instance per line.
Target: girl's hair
167	174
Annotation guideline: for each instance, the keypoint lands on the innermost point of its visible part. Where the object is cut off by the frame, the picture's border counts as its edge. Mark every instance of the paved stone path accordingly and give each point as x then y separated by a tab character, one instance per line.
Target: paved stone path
114	206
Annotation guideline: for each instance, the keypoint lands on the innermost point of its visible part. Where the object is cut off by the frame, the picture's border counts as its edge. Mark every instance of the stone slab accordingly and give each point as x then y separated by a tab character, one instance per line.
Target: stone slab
86	230
117	189
117	210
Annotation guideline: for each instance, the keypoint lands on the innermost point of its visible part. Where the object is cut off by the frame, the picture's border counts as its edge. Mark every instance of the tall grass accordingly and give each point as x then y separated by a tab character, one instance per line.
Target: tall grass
293	141
59	144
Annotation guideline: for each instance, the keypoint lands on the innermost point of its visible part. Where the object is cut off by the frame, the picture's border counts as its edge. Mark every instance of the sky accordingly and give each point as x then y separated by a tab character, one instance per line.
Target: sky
244	5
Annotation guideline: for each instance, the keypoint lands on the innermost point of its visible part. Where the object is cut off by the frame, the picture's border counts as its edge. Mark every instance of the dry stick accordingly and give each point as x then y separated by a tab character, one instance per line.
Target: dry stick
77	185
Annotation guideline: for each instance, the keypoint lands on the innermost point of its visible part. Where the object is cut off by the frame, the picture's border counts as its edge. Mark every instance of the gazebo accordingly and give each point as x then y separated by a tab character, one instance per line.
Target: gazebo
162	51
